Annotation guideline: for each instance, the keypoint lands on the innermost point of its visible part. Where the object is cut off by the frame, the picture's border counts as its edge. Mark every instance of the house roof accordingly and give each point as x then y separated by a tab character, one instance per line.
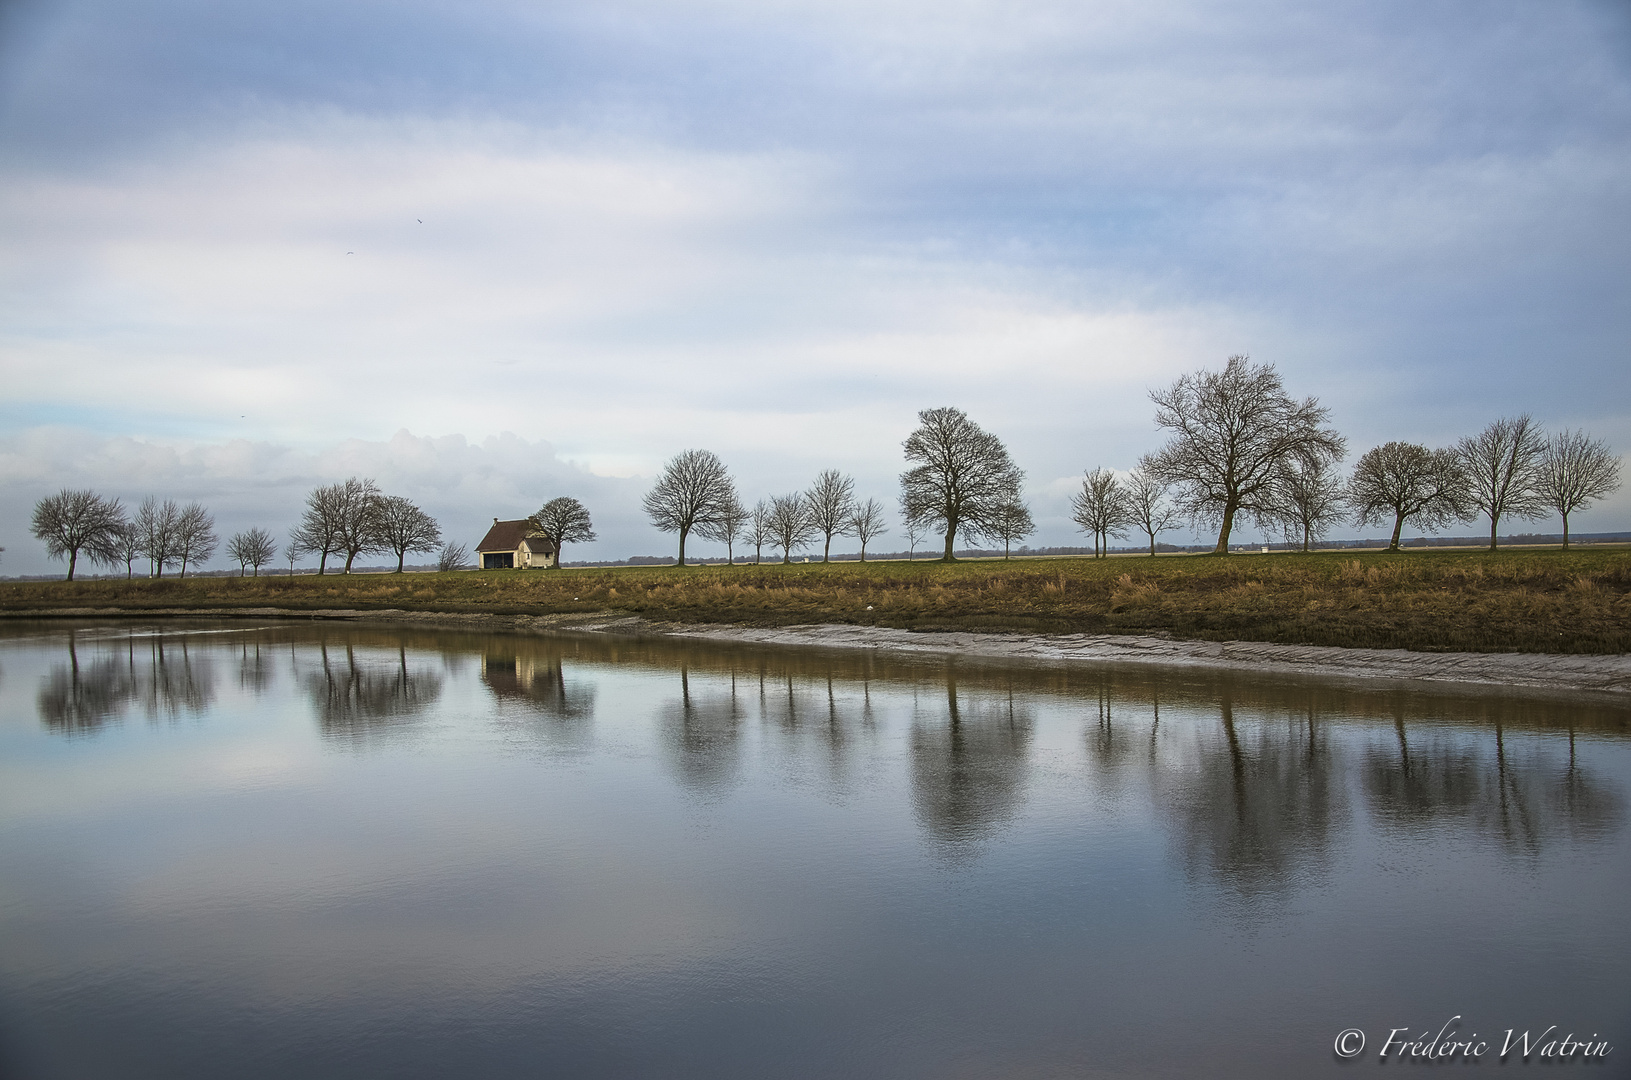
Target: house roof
507	536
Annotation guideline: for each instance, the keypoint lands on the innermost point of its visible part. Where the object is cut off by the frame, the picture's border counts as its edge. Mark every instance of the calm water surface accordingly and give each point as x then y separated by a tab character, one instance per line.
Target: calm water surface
308	851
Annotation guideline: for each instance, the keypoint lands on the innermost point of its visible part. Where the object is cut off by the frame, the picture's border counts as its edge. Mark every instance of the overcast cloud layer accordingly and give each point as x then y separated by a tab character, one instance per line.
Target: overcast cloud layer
490	253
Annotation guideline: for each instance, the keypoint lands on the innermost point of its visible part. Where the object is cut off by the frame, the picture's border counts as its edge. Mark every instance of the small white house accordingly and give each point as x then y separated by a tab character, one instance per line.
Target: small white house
515	545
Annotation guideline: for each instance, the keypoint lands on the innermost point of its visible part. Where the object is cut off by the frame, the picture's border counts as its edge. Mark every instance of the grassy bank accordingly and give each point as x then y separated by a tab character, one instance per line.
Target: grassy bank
1532	601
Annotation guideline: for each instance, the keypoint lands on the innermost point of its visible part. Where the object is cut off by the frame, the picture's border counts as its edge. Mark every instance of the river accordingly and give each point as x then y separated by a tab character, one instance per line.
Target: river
325	850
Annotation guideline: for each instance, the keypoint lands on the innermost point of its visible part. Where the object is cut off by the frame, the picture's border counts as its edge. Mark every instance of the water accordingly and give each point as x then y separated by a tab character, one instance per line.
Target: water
329	851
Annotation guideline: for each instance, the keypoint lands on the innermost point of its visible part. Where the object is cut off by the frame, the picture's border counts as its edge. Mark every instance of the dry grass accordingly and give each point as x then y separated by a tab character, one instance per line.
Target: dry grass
1533	601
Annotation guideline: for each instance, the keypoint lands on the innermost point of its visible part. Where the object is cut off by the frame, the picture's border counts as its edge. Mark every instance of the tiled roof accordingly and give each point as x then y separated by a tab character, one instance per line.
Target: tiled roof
507	536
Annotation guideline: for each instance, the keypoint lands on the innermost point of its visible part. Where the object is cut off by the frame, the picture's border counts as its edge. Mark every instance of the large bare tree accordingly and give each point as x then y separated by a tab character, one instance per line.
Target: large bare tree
403	527
760	530
691	494
733	518
254	547
195	536
867	523
1233	434
1503	468
963	476
1409	484
357	509
70	522
318	532
831	502
157	523
1309	499
565	521
1147	505
1100	508
1576	471
790	524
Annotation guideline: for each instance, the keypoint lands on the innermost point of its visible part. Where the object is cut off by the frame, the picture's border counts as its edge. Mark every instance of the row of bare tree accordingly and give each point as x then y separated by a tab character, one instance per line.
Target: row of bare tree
164	534
1241	445
349	518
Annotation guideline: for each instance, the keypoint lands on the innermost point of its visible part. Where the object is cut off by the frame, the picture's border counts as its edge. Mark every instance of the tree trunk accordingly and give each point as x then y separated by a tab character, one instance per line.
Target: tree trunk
1565	531
1152	545
348	557
1398	526
184	568
400	556
1229	509
322	564
951	541
682	547
73	557
1494	526
826	549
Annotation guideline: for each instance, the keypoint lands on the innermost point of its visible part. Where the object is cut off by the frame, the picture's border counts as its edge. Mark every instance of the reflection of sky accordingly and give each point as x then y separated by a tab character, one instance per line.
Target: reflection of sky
621	903
595	235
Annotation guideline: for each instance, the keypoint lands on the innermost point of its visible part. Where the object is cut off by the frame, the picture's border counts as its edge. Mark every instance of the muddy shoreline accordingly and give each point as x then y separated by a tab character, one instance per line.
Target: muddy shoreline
1538	671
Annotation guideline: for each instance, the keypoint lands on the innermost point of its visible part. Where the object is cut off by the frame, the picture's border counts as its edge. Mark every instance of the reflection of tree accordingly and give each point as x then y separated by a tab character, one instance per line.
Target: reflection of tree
254	671
77	699
1524	800
358	700
83	695
703	734
1260	805
969	768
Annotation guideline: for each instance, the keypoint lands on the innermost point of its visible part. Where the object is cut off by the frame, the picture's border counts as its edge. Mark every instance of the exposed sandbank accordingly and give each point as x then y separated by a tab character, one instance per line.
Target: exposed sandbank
1564	672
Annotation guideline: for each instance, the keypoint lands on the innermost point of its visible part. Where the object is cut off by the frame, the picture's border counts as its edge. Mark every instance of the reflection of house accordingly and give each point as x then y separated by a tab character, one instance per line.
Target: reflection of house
515	545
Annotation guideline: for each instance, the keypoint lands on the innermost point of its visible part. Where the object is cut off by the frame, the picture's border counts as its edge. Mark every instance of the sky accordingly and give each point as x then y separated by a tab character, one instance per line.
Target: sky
491	252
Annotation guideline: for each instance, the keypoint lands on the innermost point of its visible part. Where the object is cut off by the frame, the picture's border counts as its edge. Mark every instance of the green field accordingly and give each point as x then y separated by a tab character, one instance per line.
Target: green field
1533	601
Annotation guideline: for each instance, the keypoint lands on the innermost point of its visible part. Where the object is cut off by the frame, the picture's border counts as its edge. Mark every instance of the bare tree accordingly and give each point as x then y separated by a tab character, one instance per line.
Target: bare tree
292	551
157	523
403	527
1013	522
73	521
565	521
1576	471
319	530
195	536
130	547
760	530
1310	499
453	557
1409	484
866	523
253	548
1234	432
790	524
963	478
915	528
357	518
691	495
1147	505
1503	468
733	518
1101	508
831	502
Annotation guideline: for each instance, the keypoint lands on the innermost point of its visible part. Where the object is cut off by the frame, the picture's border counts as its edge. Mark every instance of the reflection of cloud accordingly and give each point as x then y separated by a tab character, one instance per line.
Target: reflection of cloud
969	763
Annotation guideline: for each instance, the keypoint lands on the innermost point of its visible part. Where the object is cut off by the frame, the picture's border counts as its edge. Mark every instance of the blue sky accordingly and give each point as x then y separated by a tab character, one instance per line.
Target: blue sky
584	237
